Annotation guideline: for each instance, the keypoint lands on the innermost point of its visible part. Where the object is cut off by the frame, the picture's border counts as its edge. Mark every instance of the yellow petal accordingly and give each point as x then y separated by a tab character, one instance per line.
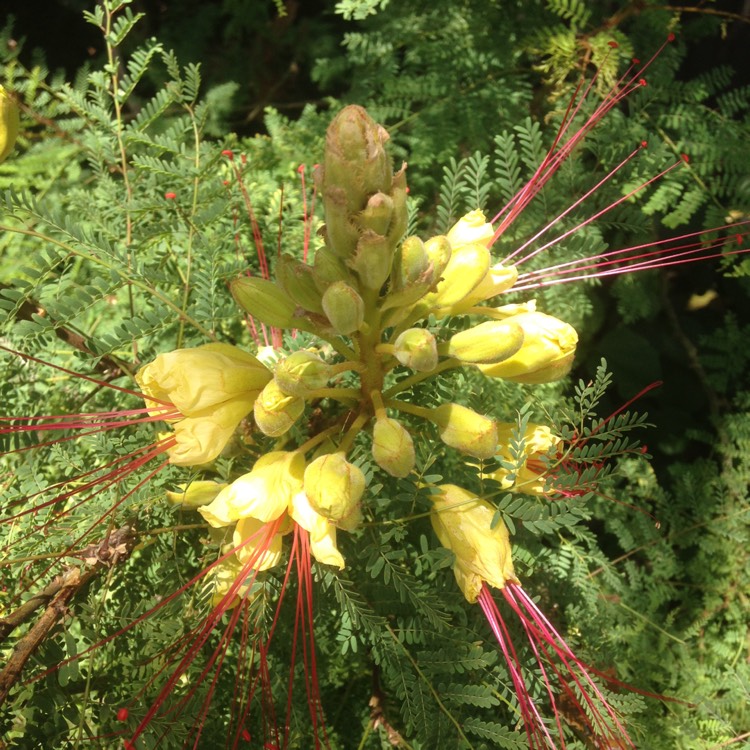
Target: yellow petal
256	545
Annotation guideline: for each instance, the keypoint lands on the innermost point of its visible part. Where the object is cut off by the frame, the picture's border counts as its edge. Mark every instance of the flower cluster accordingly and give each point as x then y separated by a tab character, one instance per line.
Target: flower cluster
378	305
382	315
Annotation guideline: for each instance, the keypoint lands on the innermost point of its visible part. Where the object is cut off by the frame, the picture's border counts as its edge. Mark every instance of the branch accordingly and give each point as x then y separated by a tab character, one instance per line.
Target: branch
114	548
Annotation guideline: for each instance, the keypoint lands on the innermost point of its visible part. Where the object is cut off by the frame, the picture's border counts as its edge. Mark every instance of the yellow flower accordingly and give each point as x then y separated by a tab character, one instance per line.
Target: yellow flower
252	544
197	379
530	477
200	439
498	279
223	577
487	343
322	531
473	227
463	523
276	412
212	389
392	447
334	488
467	267
547	353
301	372
264	494
464	429
9	123
416	348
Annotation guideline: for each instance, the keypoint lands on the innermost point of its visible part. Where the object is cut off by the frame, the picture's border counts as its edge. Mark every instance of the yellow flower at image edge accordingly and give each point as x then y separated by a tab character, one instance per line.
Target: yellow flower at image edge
9	123
463	523
212	389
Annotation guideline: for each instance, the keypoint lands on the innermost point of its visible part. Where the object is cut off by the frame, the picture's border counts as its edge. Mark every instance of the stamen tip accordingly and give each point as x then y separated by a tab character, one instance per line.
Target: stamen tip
228	153
612	44
122	714
685	158
170	196
670	37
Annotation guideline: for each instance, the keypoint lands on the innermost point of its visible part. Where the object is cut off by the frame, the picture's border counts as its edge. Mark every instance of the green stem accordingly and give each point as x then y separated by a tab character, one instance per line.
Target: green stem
418	411
338	394
418	377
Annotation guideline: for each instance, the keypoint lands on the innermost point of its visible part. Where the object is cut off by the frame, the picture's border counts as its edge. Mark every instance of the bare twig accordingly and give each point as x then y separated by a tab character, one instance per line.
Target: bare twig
115	547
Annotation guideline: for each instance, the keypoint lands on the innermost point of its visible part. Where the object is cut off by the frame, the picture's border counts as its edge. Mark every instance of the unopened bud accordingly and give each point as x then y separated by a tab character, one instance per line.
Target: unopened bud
377	214
547	353
465	430
10	122
372	260
334	488
416	348
298	282
487	343
301	372
344	308
264	301
327	269
392	447
275	411
473	227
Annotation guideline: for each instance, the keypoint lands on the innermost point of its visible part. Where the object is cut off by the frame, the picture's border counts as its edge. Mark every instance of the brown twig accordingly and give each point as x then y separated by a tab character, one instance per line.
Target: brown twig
114	548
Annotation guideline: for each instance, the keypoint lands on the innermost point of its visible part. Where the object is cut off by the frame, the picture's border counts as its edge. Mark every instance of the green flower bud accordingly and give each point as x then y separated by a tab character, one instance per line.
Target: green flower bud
392	447
547	353
334	488
465	430
275	411
487	343
344	308
340	232
264	301
377	214
298	282
472	227
400	217
416	348
10	122
372	260
301	372
327	269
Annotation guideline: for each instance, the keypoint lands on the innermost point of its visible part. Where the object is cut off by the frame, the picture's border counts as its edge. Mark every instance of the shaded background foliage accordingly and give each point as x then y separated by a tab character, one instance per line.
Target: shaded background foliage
471	92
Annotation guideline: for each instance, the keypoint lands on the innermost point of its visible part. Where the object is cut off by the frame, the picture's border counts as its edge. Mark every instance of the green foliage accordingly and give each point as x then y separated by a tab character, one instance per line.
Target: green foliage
123	222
